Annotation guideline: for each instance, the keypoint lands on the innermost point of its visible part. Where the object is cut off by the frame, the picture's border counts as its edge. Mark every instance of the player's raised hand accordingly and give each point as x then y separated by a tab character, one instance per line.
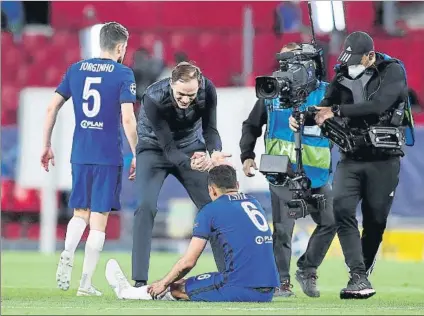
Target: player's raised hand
156	289
46	157
201	164
248	164
219	158
132	169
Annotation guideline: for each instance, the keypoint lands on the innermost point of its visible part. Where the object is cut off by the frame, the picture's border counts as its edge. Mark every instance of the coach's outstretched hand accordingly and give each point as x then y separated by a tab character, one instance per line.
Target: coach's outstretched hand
46	157
132	170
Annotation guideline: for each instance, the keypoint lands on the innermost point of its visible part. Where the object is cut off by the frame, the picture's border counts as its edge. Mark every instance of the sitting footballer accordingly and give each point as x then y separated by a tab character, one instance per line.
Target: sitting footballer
239	221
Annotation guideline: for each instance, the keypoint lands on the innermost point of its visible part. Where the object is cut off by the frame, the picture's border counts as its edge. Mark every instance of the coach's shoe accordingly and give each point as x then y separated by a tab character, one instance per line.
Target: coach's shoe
116	278
358	287
284	290
89	291
308	282
140	283
64	270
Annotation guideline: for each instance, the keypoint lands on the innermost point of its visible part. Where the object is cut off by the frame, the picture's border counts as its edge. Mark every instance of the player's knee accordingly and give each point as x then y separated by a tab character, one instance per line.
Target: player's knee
98	221
83	213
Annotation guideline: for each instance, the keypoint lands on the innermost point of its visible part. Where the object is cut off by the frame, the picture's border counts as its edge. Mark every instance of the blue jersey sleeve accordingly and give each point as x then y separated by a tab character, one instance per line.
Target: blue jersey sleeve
64	88
128	88
203	224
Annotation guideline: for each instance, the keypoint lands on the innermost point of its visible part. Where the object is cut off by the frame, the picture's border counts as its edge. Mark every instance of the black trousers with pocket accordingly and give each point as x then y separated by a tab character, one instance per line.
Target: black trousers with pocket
319	242
373	182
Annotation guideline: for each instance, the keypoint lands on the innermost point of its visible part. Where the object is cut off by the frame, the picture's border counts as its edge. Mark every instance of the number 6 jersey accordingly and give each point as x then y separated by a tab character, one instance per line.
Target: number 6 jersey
238	222
98	87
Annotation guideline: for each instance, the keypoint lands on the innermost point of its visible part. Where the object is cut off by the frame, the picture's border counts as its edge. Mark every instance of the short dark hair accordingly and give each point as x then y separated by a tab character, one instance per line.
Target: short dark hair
186	71
112	34
223	176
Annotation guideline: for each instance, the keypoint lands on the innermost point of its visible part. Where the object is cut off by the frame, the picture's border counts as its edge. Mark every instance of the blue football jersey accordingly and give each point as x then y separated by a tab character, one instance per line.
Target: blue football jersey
98	87
239	223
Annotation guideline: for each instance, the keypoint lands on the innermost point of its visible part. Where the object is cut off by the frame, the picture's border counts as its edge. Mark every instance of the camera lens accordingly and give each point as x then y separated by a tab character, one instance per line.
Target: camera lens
268	87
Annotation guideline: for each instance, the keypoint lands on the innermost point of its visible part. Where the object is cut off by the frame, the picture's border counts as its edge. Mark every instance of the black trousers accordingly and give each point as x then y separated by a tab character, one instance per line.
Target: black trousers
152	170
320	240
373	182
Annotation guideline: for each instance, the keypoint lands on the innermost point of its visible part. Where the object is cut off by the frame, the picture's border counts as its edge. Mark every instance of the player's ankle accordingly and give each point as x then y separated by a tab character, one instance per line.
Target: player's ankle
85	281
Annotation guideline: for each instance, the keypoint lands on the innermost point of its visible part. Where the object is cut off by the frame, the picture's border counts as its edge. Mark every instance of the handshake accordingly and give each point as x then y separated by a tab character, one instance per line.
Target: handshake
201	161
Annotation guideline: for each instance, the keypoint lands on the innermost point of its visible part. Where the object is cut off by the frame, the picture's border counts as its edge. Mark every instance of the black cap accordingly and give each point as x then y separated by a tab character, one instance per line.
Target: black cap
356	45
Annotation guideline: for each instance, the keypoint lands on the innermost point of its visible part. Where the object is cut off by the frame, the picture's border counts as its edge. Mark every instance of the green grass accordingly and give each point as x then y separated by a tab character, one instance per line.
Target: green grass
29	288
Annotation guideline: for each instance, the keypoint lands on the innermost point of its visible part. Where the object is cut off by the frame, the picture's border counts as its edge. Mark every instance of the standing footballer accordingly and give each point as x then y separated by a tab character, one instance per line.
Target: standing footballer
103	91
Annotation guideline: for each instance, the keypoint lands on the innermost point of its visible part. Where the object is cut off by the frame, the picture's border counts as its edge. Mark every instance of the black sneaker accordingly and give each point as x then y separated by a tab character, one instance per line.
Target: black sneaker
308	283
284	290
140	283
358	287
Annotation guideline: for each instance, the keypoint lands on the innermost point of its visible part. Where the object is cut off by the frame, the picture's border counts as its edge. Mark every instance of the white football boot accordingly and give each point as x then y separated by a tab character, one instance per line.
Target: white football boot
64	270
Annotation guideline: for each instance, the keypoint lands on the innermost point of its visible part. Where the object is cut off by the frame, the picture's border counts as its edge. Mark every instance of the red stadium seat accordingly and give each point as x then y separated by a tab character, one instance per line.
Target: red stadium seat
7	199
12	230
8	117
213	59
33	231
10	103
12	60
53	76
6	39
35	75
65	39
34	42
234	52
61	232
9	97
181	41
147	40
113	229
359	16
27	200
265	47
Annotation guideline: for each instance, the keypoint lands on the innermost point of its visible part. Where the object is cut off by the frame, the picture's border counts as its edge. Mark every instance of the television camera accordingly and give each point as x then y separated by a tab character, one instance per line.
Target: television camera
299	75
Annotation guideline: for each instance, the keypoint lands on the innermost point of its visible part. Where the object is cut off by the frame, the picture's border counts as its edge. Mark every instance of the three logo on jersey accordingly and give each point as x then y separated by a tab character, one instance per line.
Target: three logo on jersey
91	125
263	240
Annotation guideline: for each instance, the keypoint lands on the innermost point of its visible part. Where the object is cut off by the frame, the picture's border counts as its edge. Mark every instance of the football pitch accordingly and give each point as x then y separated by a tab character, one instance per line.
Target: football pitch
28	287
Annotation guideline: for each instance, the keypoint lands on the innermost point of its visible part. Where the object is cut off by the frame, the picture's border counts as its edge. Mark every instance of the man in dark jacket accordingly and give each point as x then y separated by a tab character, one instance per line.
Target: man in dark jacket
365	92
176	126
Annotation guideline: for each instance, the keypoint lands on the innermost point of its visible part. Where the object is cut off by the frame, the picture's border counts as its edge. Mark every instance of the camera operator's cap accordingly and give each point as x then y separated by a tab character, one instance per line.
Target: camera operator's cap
356	45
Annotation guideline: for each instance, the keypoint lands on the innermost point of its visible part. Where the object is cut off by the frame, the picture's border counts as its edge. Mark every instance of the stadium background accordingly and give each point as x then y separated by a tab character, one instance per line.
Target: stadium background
232	43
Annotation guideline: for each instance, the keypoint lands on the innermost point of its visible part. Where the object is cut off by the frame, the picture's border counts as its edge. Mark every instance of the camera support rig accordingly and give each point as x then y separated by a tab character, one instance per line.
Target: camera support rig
278	171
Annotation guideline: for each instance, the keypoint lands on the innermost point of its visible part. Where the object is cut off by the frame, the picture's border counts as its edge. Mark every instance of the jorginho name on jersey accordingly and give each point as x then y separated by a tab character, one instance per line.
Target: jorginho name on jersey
238	221
98	87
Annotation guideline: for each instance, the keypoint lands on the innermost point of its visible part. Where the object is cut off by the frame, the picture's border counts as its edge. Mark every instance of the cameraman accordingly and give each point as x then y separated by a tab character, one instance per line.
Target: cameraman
279	140
368	87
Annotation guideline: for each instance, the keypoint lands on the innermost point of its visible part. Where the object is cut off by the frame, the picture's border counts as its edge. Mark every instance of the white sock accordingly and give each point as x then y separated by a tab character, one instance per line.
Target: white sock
93	247
136	293
74	231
